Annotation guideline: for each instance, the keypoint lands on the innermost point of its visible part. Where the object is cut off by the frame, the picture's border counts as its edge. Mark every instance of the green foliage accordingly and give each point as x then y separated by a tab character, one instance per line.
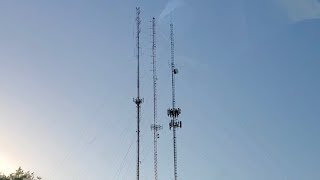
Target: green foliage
20	175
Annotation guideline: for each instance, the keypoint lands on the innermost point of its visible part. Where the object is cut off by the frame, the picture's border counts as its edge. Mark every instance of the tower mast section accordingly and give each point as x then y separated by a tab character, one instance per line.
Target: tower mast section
155	127
138	100
174	112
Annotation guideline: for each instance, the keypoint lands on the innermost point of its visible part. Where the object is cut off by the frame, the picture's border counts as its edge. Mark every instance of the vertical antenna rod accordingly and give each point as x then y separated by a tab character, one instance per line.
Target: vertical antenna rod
174	112
155	127
138	101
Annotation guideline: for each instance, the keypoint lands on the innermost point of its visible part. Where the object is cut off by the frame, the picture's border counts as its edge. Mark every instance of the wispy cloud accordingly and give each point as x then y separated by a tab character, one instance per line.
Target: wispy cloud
299	10
171	6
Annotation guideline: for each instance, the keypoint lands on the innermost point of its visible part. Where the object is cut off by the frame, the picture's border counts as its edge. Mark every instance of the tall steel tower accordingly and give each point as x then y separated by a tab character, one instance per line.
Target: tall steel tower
138	100
174	112
155	127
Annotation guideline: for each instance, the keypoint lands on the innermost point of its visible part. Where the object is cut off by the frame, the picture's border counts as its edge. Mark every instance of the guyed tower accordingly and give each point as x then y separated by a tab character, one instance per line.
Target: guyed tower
174	112
155	126
138	100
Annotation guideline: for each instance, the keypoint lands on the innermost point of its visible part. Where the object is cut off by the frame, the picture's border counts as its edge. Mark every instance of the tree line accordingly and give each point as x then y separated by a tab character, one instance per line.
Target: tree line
20	175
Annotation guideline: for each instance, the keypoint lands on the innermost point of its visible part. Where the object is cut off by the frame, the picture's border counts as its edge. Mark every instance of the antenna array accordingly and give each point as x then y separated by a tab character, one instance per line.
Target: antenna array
173	112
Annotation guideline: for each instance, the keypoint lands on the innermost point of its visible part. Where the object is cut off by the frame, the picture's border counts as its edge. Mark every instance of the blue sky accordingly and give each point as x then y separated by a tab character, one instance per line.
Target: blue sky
248	87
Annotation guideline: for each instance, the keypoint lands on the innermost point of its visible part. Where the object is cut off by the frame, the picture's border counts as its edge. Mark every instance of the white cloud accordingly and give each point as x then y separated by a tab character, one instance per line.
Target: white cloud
170	7
299	10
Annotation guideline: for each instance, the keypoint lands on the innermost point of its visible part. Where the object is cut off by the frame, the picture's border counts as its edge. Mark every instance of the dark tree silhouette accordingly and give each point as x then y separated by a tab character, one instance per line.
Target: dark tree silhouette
20	175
